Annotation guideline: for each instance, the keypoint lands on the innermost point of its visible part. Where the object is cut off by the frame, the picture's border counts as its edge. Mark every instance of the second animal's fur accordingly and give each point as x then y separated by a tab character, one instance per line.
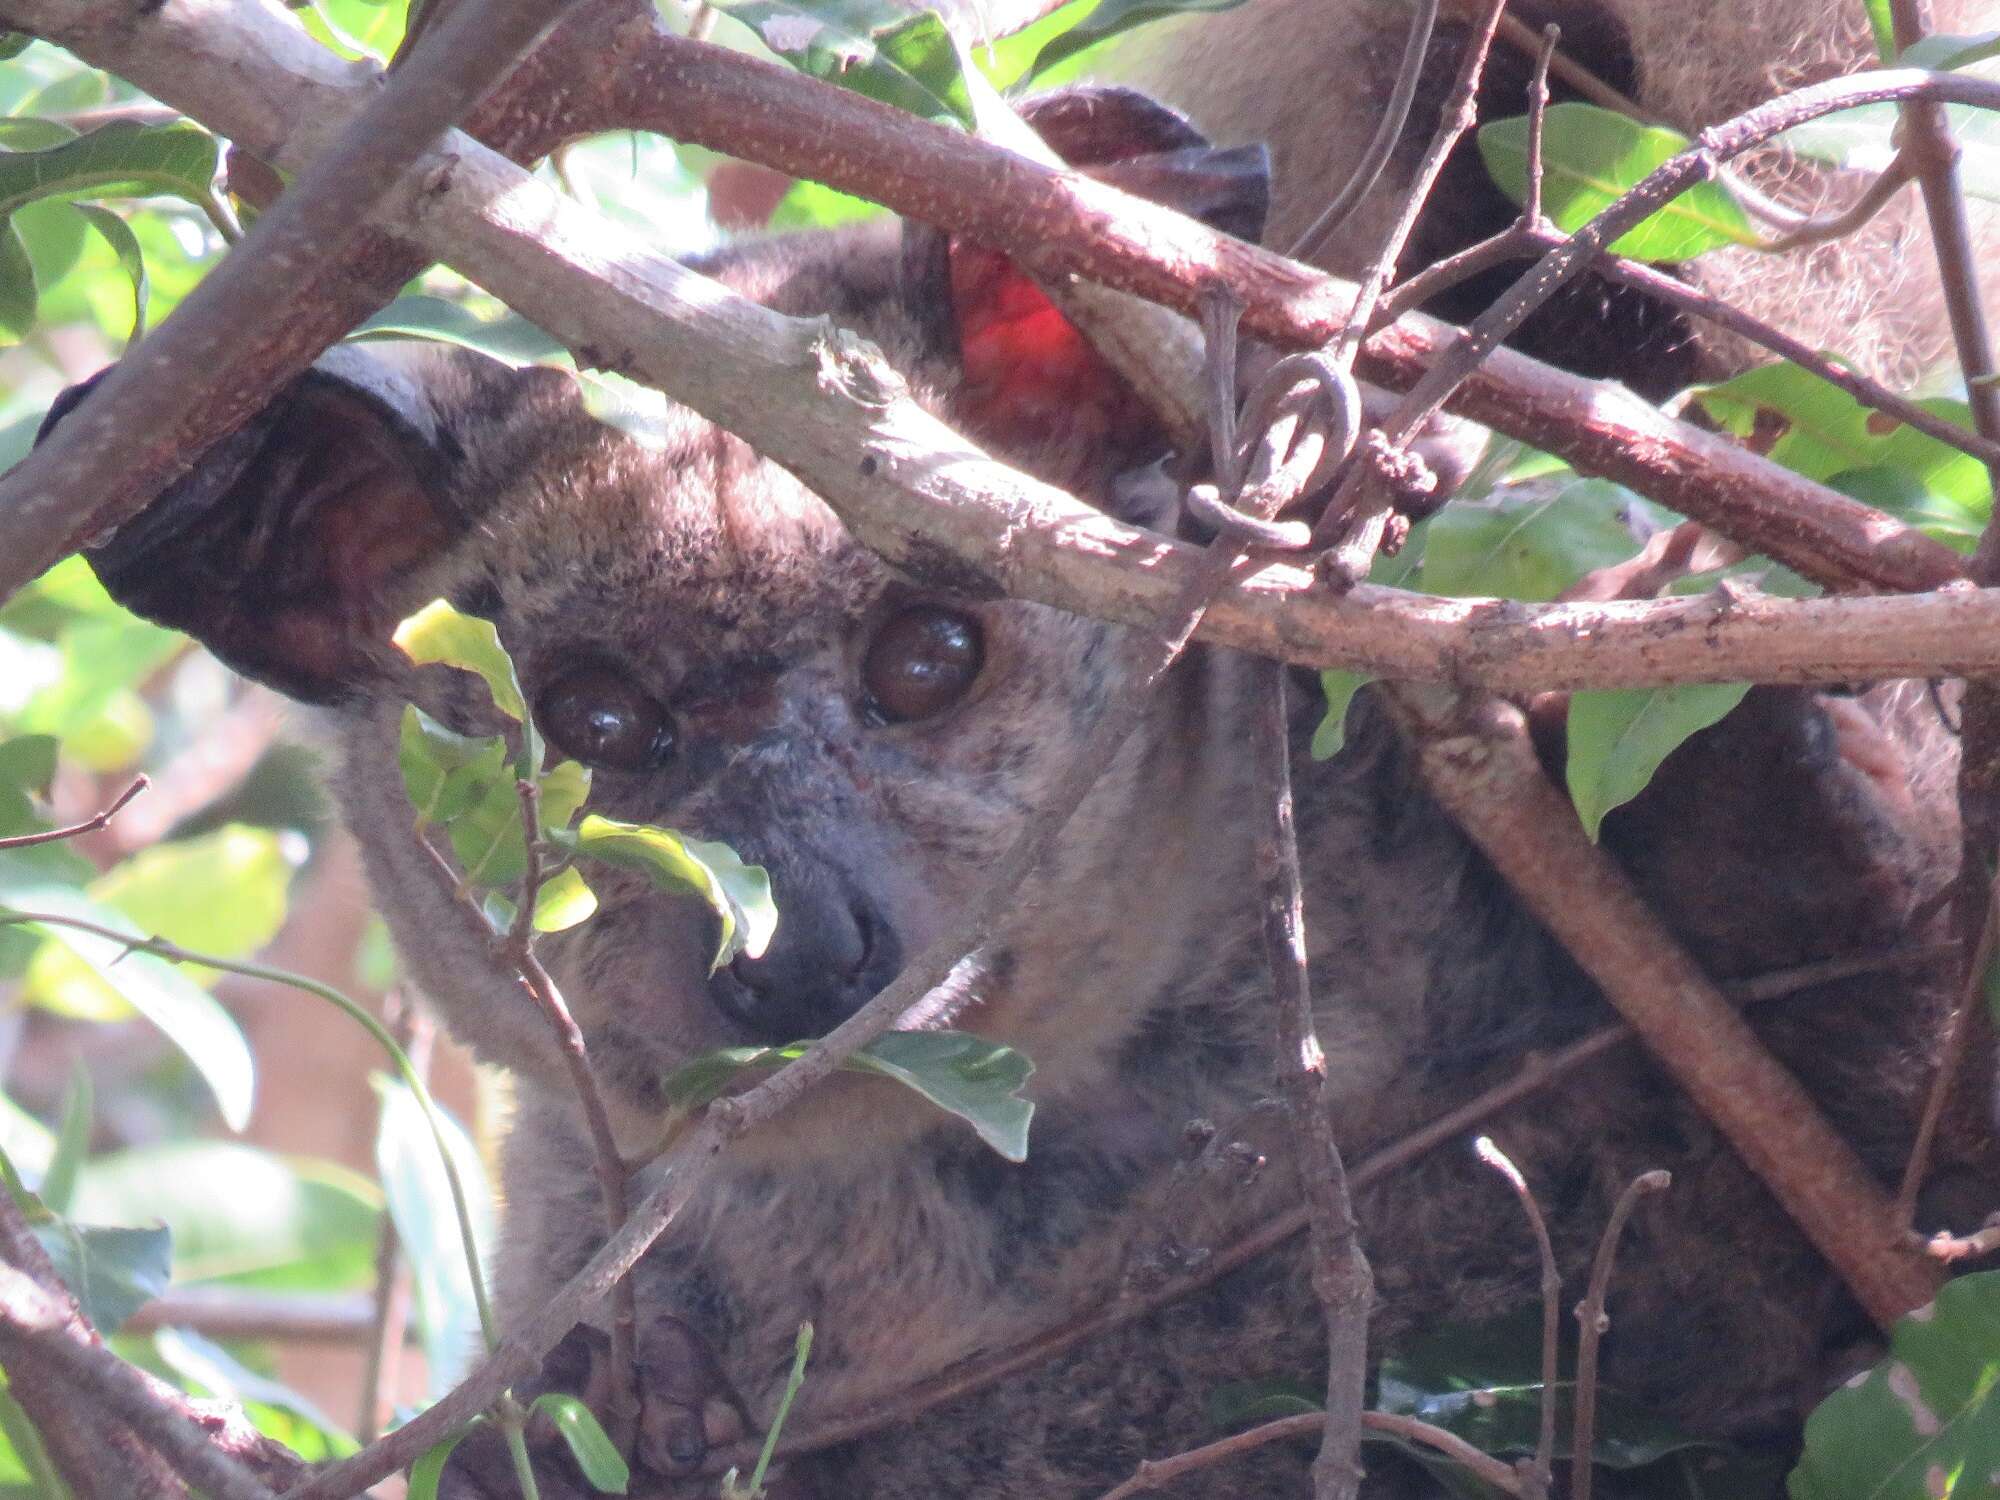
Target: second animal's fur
699	627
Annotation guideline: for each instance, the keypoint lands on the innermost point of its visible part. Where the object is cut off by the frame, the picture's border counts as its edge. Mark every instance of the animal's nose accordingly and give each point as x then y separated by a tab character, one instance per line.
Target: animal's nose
833	949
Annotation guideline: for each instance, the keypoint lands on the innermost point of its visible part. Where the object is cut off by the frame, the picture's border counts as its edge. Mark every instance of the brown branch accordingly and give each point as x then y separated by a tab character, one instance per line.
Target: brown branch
39	1331
708	96
1593	1323
1477	760
232	1312
271	78
1340	1276
1156	1473
517	951
1951	1055
1107	1311
77	830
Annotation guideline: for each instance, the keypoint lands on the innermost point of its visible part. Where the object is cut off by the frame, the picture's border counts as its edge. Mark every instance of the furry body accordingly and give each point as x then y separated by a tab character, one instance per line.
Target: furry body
1130	972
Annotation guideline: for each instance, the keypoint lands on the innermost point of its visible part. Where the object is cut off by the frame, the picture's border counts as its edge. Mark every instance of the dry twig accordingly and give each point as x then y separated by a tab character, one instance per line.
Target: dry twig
1593	1323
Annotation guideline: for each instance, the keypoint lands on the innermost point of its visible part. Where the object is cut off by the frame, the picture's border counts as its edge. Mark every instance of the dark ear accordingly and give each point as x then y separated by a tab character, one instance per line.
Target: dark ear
1029	377
286	548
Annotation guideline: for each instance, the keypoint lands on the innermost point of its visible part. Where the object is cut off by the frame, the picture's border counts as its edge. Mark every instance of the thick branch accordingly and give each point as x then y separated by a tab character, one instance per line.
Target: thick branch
1059	223
1480	765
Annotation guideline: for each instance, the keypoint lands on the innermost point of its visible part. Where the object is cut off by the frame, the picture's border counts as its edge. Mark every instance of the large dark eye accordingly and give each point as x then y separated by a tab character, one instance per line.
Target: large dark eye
595	714
921	662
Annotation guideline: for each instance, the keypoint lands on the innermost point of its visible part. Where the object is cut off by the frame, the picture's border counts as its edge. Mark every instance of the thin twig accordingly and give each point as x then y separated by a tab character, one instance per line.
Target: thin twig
1536	1073
1951	1055
1593	1322
1951	1248
60	484
1838	225
1340	1276
517	950
77	830
1542	1466
1154	1473
390	1295
35	1328
1538	105
1388	131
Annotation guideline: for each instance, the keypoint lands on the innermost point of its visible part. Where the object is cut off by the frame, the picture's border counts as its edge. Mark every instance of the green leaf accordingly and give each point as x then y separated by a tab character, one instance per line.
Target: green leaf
420	1202
1340	688
1941	51
72	1142
355	29
17	284
125	245
1244	1403
1883	26
595	1454
242	1216
1904	495
1822	433
965	1075
1112	18
26	1470
445	772
1532	543
1925	1422
1590	158
124	159
428	1471
1617	739
813	205
222	892
13	44
739	894
874	47
186	1014
1864	140
505	336
563	901
112	1272
439	633
31	133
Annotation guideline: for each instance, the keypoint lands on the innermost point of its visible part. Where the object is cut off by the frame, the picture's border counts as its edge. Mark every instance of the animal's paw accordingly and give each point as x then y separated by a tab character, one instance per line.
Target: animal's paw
686	1404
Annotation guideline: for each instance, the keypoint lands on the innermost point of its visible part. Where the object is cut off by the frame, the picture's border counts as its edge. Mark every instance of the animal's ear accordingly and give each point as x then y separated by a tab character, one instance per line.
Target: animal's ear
1029	377
289	548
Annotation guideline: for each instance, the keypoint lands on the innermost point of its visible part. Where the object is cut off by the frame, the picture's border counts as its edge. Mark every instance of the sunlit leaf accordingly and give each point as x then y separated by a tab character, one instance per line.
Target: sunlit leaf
125	245
428	1472
1617	739
965	1075
739	894
439	633
563	901
874	47
1340	688
241	1215
203	1363
1590	158
445	772
186	1014
1108	19
1532	543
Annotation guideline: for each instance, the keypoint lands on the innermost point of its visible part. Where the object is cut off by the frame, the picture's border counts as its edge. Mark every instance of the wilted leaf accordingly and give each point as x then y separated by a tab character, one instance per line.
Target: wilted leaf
965	1075
739	894
1617	739
1924	1424
1590	158
588	1443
